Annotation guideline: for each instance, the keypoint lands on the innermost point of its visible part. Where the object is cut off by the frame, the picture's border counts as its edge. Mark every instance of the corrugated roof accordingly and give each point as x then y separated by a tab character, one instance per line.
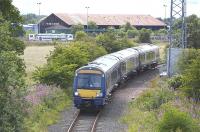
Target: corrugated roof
111	19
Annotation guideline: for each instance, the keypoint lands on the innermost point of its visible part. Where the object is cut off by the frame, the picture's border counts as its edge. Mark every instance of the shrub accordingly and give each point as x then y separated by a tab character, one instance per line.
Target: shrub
132	33
61	66
144	36
12	88
189	65
63	62
112	42
175	81
80	35
154	97
76	28
174	120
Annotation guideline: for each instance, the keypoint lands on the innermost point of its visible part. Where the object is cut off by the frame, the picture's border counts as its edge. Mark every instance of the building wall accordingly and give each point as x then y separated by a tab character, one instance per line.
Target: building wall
51	20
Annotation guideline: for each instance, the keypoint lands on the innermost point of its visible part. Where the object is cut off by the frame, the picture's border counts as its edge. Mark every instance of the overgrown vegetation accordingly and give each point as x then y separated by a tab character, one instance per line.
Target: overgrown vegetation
48	112
189	81
64	60
160	109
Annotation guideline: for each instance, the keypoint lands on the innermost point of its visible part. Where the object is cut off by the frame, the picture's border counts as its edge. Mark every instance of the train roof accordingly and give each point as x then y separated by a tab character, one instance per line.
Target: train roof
126	53
145	47
104	63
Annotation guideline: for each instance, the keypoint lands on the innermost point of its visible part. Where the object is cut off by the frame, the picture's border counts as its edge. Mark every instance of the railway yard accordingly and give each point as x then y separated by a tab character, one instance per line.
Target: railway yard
109	118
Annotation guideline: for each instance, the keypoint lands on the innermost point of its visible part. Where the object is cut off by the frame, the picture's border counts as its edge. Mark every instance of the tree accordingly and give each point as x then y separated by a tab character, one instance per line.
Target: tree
12	87
12	70
144	36
11	14
127	27
80	35
64	60
7	42
189	67
132	33
107	40
76	28
193	26
113	42
92	25
31	18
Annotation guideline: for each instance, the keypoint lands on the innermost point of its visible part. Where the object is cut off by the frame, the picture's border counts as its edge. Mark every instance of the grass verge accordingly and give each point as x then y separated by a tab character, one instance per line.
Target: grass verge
47	112
160	109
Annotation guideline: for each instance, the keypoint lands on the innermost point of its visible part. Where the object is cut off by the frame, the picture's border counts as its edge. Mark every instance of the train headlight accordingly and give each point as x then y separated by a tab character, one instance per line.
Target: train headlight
76	93
99	94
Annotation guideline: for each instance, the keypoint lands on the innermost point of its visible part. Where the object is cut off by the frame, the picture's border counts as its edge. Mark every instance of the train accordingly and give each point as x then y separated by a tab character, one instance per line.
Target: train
94	82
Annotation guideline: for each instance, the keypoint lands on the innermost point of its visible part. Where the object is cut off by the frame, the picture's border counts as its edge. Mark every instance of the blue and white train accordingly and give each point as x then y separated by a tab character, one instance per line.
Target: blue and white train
94	82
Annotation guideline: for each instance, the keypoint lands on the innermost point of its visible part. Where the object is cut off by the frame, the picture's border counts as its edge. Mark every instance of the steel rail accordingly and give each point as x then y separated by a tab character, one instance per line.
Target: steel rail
74	121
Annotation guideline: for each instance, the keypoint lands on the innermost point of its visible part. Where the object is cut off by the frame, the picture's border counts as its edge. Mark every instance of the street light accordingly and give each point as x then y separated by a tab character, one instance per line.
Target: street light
39	3
87	7
165	6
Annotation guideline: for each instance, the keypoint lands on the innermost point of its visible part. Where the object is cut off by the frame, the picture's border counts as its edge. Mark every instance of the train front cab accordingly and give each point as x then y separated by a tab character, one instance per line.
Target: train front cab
89	89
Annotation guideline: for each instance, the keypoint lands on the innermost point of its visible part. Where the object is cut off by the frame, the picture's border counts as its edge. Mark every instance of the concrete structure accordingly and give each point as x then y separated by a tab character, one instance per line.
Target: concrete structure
54	23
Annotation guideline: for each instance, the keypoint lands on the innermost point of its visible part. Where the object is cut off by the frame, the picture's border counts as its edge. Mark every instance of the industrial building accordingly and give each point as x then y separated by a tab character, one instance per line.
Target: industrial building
62	22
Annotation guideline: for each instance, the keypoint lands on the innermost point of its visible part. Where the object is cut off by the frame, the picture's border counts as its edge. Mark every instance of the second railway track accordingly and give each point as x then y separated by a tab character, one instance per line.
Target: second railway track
84	122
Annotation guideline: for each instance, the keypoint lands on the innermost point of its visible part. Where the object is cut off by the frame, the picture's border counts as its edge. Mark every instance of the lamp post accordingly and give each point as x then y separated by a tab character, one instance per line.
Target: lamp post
87	7
165	6
39	3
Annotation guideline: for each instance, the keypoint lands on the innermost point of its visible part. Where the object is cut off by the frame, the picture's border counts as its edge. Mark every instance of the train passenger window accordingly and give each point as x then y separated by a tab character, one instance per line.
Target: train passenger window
123	67
89	81
108	81
142	58
114	76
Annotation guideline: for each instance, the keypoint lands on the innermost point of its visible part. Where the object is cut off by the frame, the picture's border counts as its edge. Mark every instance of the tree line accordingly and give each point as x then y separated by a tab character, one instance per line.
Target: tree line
12	69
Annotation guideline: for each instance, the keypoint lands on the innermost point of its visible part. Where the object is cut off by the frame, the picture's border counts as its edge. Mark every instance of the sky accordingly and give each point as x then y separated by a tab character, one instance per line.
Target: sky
154	8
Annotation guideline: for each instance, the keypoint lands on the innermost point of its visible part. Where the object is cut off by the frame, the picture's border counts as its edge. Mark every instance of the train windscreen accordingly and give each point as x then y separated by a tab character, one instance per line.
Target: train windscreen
89	81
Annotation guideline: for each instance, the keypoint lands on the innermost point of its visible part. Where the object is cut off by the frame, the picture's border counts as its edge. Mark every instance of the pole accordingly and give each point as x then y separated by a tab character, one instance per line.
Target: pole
170	42
87	7
39	3
165	6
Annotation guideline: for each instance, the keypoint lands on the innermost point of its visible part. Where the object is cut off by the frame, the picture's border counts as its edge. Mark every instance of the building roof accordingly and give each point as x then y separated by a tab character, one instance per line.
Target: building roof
110	19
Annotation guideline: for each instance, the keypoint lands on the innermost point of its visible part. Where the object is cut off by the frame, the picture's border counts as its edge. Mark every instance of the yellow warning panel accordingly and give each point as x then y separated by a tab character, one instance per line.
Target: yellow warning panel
90	72
85	93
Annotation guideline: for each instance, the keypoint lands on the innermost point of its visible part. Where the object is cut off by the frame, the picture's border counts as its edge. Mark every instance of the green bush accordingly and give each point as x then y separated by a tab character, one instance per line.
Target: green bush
114	41
189	65
144	36
12	89
175	81
132	33
64	60
153	98
76	28
186	58
175	120
80	35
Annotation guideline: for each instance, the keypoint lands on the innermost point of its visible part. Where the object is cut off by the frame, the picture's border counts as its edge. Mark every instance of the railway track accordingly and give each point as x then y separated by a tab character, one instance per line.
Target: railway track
84	122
